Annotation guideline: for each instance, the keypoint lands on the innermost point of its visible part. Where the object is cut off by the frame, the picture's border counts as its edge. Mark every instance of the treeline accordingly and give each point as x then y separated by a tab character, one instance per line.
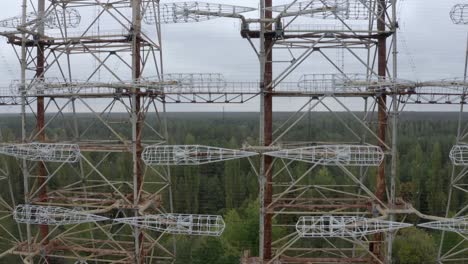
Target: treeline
231	188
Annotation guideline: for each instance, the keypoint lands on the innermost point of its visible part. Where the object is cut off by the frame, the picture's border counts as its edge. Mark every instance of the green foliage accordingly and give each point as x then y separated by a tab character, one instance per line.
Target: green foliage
414	246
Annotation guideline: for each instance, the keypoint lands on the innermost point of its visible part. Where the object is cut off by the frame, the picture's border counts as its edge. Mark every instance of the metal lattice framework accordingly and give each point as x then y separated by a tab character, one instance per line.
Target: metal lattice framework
344	226
459	14
190	154
53	19
347	155
128	56
188	12
53	215
124	74
328	9
454	226
69	153
180	224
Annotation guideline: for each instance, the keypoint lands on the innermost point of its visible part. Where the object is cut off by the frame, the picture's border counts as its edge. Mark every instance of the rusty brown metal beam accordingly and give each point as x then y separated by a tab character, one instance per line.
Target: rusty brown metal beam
268	135
376	247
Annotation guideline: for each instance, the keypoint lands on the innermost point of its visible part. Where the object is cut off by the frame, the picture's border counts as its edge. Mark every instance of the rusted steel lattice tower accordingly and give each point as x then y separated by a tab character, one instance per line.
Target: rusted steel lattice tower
118	59
342	209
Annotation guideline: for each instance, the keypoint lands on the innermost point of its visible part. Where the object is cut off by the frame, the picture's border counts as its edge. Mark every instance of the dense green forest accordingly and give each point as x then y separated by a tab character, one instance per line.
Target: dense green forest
231	188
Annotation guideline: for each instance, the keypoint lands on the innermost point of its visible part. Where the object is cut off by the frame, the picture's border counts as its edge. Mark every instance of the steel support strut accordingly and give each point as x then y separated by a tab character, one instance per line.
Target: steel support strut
266	129
376	246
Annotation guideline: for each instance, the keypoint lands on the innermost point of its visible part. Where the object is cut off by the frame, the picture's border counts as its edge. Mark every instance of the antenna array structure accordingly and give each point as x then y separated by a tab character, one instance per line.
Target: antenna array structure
102	212
99	211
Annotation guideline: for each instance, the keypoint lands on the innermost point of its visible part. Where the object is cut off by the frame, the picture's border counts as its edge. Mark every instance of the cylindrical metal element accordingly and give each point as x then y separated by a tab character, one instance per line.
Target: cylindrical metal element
55	18
52	215
347	155
459	14
179	224
67	153
190	154
344	226
459	155
459	225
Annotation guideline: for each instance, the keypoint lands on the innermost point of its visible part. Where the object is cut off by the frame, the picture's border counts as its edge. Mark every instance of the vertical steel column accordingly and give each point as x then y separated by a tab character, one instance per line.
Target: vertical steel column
136	123
382	114
40	115
24	165
266	130
395	117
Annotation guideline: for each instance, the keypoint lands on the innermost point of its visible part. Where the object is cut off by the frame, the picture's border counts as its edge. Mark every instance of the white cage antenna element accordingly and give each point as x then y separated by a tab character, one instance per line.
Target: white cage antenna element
459	14
459	155
195	82
344	226
459	225
327	9
187	12
179	224
190	154
68	153
55	18
52	215
348	155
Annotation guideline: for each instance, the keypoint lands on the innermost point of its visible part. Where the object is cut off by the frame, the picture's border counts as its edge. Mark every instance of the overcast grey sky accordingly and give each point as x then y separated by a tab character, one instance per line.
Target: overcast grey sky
427	39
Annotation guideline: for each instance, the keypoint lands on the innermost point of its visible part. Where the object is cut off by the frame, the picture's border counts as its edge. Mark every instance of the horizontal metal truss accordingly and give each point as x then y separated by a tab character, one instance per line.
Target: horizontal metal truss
52	215
459	14
344	226
179	224
189	12
213	88
459	155
346	155
65	153
458	225
190	154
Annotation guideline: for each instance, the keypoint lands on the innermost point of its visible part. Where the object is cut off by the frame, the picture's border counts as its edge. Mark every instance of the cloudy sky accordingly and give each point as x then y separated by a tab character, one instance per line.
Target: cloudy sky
430	47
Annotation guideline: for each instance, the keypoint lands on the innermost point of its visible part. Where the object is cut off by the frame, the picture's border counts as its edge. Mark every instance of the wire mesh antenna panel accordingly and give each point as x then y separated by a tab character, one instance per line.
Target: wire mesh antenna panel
179	224
187	12
348	155
459	225
55	86
190	154
52	215
68	153
344	226
459	155
195	82
327	9
336	83
459	14
55	18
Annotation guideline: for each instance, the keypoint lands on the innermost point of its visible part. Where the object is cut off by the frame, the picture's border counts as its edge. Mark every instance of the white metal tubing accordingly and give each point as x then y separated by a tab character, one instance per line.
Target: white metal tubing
459	155
52	215
181	224
190	154
187	12
68	153
459	14
459	225
344	226
54	19
347	155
